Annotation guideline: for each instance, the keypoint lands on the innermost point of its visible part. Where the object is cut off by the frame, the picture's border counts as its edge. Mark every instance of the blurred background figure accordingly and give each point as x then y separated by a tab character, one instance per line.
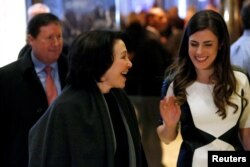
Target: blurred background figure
174	32
240	49
23	97
211	6
191	10
71	27
37	8
156	23
150	59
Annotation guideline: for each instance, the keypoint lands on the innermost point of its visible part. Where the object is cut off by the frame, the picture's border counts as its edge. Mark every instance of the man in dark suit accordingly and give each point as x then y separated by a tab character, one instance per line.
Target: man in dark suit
23	98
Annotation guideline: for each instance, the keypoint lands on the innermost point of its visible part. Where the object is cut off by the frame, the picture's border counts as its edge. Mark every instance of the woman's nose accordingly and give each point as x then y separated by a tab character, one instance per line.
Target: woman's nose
129	63
199	50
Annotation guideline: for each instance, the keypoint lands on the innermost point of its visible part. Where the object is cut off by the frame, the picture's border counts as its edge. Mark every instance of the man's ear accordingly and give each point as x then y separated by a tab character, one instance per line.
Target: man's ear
29	39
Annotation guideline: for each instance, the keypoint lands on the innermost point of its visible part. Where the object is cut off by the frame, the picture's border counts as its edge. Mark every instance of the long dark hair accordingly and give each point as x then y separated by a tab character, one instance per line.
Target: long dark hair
183	70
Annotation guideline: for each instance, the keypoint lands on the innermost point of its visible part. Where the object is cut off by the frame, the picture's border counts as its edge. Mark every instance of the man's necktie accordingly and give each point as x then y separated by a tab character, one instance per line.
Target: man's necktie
50	86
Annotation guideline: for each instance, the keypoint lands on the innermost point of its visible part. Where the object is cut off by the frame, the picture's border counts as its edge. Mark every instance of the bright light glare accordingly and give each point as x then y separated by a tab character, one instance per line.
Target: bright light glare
182	6
12	29
226	15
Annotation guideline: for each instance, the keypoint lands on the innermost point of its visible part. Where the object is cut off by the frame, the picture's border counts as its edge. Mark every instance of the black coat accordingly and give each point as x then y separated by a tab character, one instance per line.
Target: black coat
22	102
76	131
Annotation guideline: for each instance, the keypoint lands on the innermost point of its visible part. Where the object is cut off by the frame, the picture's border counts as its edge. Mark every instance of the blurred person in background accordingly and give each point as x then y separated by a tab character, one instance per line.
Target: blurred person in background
150	59
240	49
23	98
191	10
156	23
37	8
175	36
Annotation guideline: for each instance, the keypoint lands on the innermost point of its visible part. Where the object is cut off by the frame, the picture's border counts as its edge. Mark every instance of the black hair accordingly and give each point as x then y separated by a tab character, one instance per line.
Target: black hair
40	20
90	56
245	15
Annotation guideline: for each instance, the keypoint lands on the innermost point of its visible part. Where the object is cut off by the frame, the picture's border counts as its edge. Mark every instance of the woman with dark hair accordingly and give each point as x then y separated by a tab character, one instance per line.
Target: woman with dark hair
205	95
93	122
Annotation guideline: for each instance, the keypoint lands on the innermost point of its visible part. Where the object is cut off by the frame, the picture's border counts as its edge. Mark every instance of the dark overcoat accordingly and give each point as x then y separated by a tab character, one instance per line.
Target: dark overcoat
76	131
22	102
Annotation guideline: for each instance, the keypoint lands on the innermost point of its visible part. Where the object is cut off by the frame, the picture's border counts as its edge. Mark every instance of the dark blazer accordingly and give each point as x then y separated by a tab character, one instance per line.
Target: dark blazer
76	131
22	102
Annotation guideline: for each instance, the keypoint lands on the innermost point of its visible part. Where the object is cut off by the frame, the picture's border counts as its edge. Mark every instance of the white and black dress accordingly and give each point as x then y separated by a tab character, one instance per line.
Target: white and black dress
202	129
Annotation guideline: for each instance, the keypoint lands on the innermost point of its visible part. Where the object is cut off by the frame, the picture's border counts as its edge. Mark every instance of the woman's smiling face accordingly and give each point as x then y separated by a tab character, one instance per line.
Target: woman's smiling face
114	77
203	48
